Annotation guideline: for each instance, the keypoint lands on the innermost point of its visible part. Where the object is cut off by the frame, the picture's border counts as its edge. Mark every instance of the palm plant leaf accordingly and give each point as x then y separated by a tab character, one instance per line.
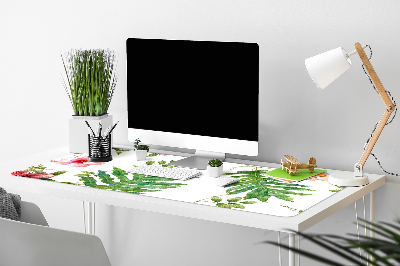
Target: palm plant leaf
262	188
383	251
335	248
119	181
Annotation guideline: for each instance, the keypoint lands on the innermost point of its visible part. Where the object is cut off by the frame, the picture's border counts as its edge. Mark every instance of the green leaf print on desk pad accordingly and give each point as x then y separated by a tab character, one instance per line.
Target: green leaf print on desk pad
256	191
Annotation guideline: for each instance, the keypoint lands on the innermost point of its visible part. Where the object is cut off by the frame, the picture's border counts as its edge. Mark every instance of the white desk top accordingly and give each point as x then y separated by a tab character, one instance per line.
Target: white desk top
300	222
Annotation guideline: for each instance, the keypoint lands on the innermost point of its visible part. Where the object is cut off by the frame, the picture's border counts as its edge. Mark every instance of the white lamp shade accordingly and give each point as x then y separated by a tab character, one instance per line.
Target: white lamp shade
326	67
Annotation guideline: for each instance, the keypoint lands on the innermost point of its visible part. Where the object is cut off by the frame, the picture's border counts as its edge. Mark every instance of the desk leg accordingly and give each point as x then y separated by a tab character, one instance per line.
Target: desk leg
372	215
292	244
298	247
88	214
372	210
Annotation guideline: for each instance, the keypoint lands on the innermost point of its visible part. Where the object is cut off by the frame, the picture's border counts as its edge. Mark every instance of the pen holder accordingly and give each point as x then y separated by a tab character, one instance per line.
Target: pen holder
99	149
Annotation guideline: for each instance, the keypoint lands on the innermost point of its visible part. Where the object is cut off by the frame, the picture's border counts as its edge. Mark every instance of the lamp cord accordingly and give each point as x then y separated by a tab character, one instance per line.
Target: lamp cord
387	123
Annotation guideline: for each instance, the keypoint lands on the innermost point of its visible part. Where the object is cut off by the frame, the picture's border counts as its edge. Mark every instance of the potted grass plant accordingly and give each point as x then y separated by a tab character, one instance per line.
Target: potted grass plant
90	83
141	150
215	168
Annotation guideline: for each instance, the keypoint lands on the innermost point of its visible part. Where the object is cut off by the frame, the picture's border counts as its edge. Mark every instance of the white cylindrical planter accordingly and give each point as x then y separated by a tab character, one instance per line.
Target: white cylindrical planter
141	155
215	171
78	131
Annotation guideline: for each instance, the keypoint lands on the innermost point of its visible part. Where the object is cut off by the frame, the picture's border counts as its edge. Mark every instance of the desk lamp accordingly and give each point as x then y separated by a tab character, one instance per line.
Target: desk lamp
323	70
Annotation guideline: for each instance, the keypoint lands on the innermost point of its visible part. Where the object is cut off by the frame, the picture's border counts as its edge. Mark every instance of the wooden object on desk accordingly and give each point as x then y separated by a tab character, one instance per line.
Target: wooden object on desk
386	99
293	164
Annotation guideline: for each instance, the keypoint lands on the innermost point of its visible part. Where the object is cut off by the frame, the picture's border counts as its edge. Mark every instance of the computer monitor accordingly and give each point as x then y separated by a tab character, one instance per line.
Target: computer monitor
199	95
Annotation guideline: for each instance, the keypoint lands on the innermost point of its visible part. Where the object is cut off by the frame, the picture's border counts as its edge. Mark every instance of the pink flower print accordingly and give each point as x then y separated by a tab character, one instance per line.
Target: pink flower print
76	162
21	173
40	175
26	173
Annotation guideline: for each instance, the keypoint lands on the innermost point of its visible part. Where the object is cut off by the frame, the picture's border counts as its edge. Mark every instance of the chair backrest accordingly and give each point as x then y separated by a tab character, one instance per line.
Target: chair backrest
36	245
32	214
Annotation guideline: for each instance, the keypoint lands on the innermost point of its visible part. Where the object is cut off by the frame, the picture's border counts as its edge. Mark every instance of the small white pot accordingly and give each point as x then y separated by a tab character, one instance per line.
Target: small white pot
141	155
215	171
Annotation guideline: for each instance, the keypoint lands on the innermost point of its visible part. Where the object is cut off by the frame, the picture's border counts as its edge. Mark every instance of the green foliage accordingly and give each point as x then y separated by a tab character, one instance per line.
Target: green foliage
216	199
119	151
91	79
59	173
37	169
232	202
256	186
41	169
229	205
150	162
140	147
224	205
88	178
236	205
152	154
164	163
234	199
119	181
248	202
384	250
263	188
105	178
290	208
215	163
143	148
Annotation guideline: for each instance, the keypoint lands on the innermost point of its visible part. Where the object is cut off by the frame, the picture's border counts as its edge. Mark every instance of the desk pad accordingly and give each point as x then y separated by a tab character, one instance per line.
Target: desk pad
256	191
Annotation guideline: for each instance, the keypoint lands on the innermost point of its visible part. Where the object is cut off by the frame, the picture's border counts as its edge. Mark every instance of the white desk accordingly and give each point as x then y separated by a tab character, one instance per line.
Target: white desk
297	223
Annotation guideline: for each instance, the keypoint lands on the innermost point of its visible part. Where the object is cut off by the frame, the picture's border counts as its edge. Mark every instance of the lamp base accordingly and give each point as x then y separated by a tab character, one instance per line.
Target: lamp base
348	179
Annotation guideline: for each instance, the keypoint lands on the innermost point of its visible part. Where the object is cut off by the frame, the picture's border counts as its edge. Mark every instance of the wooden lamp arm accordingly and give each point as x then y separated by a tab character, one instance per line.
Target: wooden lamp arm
389	109
371	71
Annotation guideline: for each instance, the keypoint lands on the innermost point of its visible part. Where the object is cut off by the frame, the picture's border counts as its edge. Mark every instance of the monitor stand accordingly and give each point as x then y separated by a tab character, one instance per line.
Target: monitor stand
199	160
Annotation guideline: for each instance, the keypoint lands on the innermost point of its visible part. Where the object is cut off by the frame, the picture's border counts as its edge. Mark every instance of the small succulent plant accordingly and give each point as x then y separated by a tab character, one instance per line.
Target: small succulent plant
215	163
140	147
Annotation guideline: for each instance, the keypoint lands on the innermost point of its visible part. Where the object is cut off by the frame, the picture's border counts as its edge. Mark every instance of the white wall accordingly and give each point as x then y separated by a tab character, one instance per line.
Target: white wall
295	117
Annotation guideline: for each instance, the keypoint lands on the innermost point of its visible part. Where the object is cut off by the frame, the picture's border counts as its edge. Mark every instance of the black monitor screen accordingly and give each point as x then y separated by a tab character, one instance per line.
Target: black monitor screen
193	87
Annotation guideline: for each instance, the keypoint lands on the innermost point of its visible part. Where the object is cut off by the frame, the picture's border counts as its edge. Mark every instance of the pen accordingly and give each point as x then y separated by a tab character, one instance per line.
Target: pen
98	130
90	132
112	129
100	127
106	132
89	127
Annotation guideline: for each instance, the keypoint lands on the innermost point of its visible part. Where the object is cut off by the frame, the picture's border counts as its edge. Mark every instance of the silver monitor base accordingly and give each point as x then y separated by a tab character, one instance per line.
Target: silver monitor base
199	160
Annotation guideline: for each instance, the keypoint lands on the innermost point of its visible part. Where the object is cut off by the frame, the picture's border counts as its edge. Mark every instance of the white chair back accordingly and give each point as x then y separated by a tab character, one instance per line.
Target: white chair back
32	214
25	244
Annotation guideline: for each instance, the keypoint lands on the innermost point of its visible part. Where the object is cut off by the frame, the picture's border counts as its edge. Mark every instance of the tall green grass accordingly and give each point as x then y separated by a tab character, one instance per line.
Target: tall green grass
91	80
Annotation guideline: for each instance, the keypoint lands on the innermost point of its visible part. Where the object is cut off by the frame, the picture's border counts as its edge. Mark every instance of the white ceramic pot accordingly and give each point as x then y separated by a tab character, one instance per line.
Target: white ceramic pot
78	131
215	171
141	155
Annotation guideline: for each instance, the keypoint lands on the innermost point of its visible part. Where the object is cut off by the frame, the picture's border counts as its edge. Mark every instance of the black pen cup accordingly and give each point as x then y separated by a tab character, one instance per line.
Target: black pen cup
99	149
